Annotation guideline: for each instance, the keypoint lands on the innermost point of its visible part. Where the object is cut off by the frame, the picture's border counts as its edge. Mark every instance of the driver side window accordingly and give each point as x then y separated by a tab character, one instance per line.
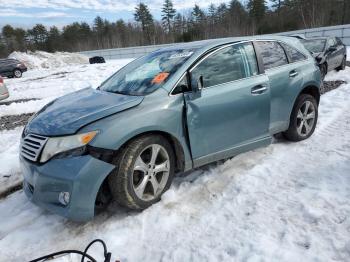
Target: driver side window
228	64
331	42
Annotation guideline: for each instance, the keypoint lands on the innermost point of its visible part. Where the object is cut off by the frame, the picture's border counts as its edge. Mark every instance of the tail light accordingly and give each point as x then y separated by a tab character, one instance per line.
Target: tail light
1	80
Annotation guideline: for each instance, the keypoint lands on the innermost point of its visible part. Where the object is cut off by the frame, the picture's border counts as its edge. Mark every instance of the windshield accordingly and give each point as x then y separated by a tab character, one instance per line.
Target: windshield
314	45
148	73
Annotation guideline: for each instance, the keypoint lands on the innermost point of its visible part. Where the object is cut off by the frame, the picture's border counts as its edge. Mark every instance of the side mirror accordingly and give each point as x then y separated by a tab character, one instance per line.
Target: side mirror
332	49
200	84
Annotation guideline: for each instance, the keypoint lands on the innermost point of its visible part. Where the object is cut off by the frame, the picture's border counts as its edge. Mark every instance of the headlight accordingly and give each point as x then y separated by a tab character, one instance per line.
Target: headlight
56	145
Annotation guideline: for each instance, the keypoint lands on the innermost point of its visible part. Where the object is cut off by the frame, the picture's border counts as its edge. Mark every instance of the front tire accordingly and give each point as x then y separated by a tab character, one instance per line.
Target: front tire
343	64
17	73
323	69
303	119
145	170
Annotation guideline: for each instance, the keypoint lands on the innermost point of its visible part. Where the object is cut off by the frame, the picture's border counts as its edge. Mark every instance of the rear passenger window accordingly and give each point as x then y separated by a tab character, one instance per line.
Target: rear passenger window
293	54
228	64
272	54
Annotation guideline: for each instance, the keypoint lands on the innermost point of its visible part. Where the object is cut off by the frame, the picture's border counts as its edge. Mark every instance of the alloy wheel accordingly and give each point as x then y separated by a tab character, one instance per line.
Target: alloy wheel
17	73
306	118
151	172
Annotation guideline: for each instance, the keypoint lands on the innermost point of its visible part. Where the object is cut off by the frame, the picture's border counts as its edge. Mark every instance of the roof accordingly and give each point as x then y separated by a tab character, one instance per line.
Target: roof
207	44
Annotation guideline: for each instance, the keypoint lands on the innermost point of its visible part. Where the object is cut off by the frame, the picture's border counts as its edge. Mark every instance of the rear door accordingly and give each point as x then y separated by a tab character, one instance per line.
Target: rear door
233	107
284	78
341	51
333	56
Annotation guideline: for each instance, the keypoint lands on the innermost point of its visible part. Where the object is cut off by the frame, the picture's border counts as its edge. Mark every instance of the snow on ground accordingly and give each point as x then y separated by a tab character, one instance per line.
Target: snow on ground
41	59
45	85
285	202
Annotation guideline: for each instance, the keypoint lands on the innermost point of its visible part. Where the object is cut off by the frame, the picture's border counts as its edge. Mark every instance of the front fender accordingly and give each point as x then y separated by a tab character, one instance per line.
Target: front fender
157	113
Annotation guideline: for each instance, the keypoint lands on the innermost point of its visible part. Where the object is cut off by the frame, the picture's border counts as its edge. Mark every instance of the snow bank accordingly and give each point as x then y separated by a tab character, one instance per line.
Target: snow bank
41	59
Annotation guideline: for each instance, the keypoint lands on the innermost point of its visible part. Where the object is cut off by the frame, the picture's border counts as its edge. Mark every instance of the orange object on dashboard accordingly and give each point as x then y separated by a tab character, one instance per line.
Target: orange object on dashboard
160	78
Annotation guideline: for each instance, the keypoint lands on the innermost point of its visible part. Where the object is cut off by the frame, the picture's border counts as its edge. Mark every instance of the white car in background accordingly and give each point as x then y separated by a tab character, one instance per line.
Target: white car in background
4	93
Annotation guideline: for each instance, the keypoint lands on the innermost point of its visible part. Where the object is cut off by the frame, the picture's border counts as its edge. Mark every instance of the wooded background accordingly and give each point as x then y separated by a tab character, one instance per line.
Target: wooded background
223	20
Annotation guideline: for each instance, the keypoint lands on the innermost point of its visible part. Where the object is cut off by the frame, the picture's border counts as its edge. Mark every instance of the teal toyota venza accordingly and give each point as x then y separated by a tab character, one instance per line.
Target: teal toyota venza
170	111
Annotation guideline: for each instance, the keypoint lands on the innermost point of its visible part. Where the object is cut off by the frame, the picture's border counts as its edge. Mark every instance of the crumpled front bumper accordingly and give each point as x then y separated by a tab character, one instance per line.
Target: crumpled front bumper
81	176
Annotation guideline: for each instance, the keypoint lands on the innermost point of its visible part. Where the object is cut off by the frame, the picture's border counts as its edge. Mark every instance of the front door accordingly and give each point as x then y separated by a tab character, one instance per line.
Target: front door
232	110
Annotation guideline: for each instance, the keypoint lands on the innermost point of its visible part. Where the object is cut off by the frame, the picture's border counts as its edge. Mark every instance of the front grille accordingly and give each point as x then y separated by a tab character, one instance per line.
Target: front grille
32	145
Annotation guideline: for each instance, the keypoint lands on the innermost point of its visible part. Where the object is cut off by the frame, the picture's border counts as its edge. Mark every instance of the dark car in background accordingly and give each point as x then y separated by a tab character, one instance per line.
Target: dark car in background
329	52
11	68
97	60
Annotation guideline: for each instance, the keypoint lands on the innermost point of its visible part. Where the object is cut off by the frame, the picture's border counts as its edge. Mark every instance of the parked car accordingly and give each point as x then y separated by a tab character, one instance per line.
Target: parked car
4	93
11	68
170	111
96	60
329	52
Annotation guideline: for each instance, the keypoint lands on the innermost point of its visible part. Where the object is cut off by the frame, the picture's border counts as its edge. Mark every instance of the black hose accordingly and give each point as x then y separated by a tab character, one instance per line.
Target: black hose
107	255
50	256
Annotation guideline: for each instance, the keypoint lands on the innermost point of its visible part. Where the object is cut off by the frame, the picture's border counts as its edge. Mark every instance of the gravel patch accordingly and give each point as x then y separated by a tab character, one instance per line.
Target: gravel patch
331	85
6	103
13	121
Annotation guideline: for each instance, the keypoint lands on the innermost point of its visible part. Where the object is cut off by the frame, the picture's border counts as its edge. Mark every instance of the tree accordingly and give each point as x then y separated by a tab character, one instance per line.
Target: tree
198	14
257	10
145	18
38	36
53	40
168	14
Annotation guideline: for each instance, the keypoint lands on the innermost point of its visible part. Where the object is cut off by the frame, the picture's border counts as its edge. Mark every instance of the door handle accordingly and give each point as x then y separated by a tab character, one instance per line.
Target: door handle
293	73
259	89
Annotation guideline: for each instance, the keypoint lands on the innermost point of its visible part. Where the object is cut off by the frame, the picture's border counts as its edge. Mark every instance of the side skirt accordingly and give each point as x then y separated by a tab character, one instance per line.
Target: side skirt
262	142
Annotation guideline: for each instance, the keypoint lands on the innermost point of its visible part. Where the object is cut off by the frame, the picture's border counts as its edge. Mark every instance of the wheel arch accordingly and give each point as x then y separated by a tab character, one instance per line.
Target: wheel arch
174	142
311	90
104	191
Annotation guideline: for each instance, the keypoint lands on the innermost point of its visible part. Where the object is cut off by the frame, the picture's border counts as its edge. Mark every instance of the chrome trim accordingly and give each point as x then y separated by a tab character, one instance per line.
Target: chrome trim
217	50
237	80
32	145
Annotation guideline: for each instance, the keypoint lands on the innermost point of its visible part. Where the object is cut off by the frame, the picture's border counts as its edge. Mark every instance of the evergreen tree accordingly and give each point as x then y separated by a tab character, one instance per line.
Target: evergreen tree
198	14
168	14
53	40
145	18
257	10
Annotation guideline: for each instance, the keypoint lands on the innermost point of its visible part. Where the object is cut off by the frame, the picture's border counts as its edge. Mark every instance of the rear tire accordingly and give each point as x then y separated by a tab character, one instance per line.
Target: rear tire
303	119
145	170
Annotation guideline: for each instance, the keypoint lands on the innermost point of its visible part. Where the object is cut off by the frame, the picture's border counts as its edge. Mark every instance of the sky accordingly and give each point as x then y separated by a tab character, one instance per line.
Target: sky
26	13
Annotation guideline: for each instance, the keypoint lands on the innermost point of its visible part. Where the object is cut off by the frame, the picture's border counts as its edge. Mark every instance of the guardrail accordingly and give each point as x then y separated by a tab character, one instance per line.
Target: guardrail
341	31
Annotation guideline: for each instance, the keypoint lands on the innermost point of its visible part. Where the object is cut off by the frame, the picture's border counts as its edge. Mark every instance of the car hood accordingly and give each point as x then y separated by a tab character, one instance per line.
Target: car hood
67	114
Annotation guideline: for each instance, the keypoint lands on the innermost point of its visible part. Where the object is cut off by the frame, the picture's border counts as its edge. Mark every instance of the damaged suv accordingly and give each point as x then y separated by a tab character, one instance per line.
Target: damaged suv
170	111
